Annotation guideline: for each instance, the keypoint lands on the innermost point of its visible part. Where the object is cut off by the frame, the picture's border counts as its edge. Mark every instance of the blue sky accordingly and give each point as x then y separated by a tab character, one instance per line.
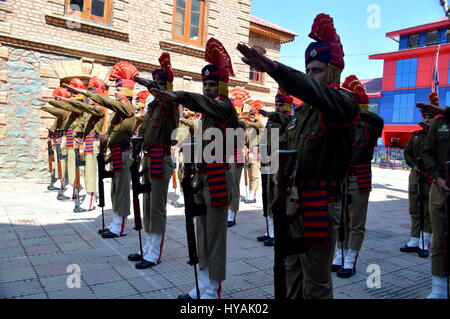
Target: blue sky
350	19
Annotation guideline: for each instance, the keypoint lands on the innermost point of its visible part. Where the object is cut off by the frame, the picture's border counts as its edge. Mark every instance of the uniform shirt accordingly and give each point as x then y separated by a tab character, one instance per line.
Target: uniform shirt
123	121
415	146
436	151
75	120
322	129
277	120
60	115
160	121
95	117
216	113
368	129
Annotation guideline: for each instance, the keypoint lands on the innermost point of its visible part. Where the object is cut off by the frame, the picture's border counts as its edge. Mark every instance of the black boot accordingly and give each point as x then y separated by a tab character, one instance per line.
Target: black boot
144	264
407	249
262	238
346	273
269	242
135	257
423	253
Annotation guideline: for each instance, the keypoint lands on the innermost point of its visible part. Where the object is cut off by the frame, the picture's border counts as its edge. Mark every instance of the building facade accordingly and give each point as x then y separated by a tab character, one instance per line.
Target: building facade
409	76
44	43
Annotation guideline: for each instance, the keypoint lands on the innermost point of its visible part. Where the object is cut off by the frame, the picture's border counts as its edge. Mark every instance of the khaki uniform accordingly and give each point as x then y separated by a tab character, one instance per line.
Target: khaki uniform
436	153
120	132
94	125
368	129
212	228
161	120
237	169
412	151
321	132
75	122
254	163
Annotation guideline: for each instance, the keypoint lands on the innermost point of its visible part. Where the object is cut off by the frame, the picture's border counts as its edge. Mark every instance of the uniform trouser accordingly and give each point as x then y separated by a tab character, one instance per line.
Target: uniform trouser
308	276
90	170
356	216
265	186
236	192
414	206
438	223
253	176
212	234
71	165
120	188
155	213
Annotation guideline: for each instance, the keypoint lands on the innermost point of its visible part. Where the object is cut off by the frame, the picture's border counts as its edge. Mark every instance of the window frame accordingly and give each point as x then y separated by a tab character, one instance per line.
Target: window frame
260	75
86	14
435	32
415	35
187	23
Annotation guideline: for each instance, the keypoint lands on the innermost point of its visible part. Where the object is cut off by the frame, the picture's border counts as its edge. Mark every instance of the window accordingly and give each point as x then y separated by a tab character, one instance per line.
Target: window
406	75
96	10
188	21
432	37
255	76
413	41
403	111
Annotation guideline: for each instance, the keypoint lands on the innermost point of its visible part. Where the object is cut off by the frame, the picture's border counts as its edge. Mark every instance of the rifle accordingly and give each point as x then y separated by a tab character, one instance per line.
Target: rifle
191	210
420	186
51	155
446	234
60	157
102	174
77	186
342	220
149	84
284	245
137	187
243	199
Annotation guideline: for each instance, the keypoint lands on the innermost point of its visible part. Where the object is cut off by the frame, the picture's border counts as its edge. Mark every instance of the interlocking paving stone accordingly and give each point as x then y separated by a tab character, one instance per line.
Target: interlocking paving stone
11	252
20	288
42	249
72	293
15	274
95	277
115	289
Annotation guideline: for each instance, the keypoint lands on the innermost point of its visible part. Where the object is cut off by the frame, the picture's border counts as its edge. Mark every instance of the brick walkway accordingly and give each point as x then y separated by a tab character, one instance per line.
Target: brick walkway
40	237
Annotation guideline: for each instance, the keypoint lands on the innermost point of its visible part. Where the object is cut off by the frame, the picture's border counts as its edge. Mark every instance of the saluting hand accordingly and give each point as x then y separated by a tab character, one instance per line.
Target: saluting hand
256	59
164	95
434	110
264	113
74	90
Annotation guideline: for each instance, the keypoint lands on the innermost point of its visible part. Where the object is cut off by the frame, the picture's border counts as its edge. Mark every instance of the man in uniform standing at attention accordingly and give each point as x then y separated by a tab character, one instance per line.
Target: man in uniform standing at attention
216	176
359	182
73	123
160	121
322	132
252	139
93	127
436	153
413	152
238	97
120	132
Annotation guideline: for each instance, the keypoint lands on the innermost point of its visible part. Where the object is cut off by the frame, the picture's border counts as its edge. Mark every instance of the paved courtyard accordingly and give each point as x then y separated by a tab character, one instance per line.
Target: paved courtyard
40	237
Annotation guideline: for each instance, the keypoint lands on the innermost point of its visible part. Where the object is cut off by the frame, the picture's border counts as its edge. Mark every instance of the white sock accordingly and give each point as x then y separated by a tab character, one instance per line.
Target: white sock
231	215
